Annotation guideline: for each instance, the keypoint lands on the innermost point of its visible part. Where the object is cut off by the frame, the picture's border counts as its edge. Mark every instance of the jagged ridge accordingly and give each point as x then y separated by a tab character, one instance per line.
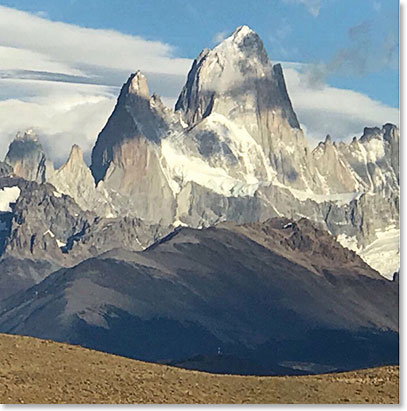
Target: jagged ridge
233	150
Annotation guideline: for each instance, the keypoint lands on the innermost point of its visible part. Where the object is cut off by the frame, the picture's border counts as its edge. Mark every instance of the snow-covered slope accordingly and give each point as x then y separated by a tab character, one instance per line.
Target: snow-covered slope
383	254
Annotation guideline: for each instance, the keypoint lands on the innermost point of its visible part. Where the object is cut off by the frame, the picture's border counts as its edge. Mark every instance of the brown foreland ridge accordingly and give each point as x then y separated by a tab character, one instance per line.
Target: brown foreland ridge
42	371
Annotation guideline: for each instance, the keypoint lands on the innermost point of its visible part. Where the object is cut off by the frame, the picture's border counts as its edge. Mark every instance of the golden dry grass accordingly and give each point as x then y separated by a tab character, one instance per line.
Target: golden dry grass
39	371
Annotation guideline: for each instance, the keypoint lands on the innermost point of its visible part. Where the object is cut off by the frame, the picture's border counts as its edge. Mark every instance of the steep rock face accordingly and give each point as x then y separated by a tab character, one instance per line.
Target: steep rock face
136	116
391	135
126	155
42	230
5	169
75	179
237	69
236	80
26	157
374	157
199	207
42	221
336	174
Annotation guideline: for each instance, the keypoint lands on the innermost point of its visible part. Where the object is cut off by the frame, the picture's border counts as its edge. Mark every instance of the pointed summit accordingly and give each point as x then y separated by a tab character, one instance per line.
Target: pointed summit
235	77
137	84
250	44
75	179
75	158
136	116
241	32
240	35
243	43
135	87
126	153
236	81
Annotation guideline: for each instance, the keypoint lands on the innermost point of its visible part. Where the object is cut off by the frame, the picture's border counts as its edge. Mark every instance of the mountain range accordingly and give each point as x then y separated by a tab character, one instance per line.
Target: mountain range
214	223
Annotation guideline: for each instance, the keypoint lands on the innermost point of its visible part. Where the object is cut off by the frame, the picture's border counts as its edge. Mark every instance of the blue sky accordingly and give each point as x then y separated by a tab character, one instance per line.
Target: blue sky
62	62
290	29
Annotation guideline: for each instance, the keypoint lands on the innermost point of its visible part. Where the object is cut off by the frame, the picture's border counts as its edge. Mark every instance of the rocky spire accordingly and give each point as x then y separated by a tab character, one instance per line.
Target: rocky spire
126	157
230	68
137	84
391	132
75	179
391	135
237	81
26	156
75	159
233	79
136	115
247	42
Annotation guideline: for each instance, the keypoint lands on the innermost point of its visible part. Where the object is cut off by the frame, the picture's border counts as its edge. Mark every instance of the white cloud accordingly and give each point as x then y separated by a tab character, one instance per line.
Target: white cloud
42	13
63	81
329	110
81	47
219	37
61	113
313	6
13	58
35	50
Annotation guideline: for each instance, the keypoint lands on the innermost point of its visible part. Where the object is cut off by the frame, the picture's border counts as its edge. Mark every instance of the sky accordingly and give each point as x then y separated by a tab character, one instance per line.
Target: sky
62	62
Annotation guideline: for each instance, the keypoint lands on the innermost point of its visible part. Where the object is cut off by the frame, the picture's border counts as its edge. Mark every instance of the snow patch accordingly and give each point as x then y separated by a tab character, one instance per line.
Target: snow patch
340	199
138	242
374	150
183	167
179	223
60	243
182	163
384	253
8	195
49	232
348	242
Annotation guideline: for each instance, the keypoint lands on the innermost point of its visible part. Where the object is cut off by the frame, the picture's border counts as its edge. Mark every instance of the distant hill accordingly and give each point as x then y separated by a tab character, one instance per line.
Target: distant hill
270	296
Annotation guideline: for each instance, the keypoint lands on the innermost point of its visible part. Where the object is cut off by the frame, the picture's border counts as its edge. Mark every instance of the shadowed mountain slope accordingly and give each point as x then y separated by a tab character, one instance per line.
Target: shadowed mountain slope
275	295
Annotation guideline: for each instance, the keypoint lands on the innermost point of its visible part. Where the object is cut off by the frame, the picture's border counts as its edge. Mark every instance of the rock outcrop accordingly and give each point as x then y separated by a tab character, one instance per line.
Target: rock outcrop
42	230
26	156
